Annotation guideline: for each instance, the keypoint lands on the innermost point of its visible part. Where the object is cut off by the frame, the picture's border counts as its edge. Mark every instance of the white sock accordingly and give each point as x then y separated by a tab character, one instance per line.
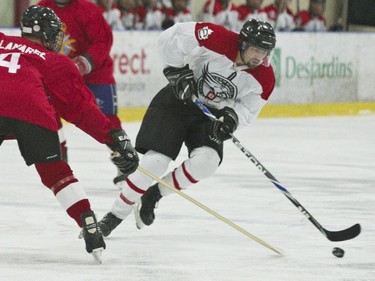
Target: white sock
203	163
137	183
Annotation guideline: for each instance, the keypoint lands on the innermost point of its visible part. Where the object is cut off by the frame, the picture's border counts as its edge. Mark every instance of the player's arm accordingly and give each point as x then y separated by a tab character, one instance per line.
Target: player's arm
217	39
99	34
255	96
76	104
176	43
73	100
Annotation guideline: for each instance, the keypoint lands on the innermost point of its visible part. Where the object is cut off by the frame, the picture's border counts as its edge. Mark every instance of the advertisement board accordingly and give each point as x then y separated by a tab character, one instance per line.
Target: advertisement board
311	68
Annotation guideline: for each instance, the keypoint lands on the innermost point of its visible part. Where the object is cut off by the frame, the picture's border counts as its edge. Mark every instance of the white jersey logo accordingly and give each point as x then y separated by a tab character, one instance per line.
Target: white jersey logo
204	32
216	87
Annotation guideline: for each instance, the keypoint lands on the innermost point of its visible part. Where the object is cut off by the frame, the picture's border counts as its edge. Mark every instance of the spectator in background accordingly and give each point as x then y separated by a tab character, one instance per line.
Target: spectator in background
128	9
222	12
252	9
177	13
111	14
166	3
88	41
312	19
280	15
149	15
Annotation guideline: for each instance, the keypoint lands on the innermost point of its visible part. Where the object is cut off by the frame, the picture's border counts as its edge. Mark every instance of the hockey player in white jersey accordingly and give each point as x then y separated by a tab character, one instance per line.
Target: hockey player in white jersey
231	74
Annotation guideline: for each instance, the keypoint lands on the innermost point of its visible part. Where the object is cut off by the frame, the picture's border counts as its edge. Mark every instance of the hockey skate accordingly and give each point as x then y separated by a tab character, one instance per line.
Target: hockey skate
108	223
93	236
144	208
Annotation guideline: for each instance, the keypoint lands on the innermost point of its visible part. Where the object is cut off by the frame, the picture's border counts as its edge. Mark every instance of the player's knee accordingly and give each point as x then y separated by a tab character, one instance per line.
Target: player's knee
205	161
55	175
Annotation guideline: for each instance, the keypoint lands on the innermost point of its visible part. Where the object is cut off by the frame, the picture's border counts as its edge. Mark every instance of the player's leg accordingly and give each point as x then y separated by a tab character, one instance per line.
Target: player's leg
160	138
59	178
41	147
106	99
133	188
204	159
63	146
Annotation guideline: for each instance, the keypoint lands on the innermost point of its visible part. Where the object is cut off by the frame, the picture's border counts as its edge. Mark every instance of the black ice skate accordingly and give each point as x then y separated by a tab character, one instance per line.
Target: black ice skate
92	235
144	208
108	223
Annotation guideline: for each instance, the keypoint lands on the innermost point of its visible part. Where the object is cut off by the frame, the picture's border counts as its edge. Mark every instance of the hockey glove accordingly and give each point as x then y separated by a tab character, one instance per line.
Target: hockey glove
225	125
84	64
124	155
182	81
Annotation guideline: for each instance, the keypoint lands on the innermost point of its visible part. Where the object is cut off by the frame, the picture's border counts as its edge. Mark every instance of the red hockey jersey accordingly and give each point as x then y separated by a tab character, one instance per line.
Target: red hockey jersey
36	83
86	32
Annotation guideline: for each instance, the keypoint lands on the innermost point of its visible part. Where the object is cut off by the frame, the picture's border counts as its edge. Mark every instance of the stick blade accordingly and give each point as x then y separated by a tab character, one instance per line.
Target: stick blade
343	235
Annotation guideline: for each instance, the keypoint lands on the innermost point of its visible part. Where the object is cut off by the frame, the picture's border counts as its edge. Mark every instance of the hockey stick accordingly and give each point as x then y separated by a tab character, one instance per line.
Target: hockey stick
223	219
341	235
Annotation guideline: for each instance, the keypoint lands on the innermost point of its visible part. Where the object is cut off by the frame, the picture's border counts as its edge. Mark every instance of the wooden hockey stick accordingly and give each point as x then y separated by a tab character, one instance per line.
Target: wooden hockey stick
341	235
200	205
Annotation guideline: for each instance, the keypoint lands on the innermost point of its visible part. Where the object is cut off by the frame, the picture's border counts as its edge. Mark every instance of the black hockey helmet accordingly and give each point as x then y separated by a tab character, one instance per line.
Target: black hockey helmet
42	23
257	33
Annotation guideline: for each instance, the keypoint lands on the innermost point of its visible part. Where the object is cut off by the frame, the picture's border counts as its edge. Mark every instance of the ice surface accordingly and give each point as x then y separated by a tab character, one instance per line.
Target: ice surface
328	164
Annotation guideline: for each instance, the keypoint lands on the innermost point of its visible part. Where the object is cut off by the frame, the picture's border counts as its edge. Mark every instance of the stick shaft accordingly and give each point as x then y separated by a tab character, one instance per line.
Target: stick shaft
342	235
200	205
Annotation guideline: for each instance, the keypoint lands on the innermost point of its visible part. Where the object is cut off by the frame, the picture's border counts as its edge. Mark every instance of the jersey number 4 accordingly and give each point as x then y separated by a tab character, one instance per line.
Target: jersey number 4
10	63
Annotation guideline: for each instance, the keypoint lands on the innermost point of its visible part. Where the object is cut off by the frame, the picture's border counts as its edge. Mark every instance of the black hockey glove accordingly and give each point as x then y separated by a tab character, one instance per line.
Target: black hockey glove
124	155
182	81
225	125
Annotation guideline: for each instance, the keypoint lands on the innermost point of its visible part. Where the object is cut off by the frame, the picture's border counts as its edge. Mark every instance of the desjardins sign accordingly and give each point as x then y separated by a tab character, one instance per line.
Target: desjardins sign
310	69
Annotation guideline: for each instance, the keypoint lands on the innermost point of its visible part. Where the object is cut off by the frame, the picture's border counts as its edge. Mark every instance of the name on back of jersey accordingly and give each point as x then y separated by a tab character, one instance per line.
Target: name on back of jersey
22	48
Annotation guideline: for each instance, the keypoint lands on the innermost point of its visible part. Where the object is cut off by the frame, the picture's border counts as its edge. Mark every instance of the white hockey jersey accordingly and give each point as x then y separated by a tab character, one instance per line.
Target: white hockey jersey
211	51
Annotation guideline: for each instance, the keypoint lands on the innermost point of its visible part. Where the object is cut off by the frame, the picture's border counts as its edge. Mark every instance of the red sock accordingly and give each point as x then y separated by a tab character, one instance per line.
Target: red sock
76	210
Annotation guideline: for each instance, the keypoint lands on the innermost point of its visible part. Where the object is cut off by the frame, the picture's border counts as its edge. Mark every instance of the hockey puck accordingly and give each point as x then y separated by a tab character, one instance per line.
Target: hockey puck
338	252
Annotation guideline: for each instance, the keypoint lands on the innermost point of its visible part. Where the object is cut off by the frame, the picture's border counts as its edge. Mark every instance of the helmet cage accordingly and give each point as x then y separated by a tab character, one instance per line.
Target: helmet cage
42	23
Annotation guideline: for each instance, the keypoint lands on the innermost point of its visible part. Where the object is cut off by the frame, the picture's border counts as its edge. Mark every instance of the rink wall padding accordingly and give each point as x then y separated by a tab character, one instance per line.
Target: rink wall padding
317	73
132	114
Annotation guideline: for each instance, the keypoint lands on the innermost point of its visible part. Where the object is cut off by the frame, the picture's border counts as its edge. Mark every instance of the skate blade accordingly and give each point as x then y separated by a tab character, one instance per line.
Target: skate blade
138	221
80	235
97	254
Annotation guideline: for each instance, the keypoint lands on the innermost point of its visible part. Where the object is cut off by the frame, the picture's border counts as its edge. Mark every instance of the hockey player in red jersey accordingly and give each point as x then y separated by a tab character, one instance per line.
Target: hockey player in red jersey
36	83
88	41
231	74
